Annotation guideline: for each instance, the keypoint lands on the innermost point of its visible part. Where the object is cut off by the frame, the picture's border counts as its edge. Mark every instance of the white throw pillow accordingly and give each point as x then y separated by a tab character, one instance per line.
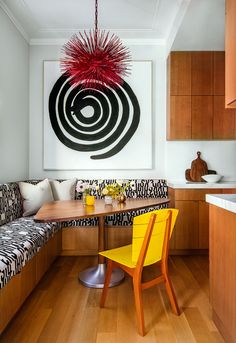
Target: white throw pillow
64	190
34	196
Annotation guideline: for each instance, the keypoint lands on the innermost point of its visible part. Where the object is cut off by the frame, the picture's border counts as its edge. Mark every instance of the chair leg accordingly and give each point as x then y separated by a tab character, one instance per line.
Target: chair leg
106	283
139	306
172	297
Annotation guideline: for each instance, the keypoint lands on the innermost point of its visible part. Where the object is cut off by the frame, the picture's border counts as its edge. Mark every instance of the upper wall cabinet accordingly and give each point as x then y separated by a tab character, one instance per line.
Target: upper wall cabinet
196	89
202	73
180	75
230	54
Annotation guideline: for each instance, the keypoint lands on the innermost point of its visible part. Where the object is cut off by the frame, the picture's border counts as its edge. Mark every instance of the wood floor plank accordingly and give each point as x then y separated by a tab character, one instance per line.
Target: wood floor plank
198	326
61	310
179	324
106	337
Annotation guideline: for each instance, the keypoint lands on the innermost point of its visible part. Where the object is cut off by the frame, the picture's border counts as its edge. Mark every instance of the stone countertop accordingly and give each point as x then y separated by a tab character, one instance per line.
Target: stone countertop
225	201
201	185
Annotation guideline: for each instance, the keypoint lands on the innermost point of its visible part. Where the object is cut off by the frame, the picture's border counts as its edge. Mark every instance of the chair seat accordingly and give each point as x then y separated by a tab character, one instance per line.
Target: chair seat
123	255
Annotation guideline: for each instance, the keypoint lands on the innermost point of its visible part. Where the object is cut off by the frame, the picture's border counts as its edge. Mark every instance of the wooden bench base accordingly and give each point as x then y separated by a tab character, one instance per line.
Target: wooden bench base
21	285
84	241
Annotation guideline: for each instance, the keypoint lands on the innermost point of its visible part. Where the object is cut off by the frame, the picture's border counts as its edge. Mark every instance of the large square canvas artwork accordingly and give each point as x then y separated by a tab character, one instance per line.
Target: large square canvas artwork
91	129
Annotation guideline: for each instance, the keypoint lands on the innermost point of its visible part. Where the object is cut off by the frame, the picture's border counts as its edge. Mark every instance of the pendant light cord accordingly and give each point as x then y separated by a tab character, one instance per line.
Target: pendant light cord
96	22
96	15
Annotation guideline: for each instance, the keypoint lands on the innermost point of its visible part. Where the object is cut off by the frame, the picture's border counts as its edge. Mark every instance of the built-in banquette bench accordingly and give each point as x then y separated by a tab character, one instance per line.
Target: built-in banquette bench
27	248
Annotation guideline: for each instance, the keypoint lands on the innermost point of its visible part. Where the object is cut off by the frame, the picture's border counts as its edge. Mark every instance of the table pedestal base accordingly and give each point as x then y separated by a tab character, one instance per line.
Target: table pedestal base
94	277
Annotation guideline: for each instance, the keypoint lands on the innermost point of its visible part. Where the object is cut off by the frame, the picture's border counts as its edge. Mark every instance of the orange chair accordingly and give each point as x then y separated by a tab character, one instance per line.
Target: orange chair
150	245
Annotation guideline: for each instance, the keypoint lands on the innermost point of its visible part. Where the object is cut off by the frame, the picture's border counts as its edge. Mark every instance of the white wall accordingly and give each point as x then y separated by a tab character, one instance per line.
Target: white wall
14	97
170	158
203	26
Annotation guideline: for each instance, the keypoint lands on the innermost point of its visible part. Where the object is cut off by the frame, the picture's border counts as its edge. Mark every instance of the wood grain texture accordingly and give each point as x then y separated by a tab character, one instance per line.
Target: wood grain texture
180	73
205	119
202	73
21	285
74	209
61	310
192	227
224	120
230	53
219	73
222	267
187	225
203	222
80	241
198	168
195	194
202	117
179	118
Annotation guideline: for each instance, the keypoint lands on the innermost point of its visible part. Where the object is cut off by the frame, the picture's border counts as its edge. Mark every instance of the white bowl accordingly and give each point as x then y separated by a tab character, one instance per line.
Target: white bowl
211	178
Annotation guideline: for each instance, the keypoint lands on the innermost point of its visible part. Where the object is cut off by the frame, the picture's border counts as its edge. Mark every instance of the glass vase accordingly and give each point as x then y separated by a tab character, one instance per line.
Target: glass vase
108	199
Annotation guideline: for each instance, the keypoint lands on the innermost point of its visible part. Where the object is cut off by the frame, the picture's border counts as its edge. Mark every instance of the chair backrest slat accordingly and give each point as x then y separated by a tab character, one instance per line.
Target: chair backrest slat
155	247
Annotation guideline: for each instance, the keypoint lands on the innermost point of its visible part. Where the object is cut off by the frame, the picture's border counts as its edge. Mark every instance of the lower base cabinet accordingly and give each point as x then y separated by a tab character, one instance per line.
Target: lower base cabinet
191	233
222	271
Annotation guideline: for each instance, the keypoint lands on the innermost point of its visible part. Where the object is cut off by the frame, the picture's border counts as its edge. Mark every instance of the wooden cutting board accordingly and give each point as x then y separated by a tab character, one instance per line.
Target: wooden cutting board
198	168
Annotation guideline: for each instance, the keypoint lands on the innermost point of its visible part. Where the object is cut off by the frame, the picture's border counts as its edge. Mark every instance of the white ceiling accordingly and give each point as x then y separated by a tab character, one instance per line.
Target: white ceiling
193	24
130	19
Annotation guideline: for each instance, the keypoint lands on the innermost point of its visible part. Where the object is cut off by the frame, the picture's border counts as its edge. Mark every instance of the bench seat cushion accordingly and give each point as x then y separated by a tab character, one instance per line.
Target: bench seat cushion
20	240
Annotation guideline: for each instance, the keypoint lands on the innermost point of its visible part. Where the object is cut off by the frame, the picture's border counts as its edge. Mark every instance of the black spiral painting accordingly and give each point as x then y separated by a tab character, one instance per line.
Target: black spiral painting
113	119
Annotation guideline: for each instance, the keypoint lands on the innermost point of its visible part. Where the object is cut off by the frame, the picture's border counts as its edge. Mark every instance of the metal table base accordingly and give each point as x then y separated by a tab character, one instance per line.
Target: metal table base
94	277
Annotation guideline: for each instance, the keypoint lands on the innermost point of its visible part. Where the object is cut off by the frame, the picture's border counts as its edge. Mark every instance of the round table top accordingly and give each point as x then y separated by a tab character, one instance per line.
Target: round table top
74	209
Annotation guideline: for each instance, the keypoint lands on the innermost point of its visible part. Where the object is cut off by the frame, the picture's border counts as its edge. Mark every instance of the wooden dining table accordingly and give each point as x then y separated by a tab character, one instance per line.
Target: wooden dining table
66	210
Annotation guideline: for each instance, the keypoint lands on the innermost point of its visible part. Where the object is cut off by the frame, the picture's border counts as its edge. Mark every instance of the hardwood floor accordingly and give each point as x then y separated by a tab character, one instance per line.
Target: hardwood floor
61	310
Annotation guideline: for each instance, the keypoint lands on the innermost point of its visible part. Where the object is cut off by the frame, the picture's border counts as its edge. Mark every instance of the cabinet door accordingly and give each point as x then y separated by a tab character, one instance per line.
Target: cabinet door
219	73
223	120
202	73
202	117
186	228
180	73
203	225
179	118
230	54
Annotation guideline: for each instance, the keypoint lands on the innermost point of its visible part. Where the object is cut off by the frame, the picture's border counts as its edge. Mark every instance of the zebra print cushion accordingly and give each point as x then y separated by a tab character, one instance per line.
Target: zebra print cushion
20	240
11	202
11	206
142	189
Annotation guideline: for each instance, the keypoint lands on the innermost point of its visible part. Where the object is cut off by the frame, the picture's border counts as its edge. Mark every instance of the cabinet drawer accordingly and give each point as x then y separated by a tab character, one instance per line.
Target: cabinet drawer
195	194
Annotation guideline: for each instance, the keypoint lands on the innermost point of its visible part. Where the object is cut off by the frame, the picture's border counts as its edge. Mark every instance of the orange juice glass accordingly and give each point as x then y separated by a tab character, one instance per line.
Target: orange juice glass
90	200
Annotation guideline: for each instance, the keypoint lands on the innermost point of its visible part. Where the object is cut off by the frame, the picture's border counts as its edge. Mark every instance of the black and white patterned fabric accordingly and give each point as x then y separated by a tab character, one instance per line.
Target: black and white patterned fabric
20	240
11	206
150	188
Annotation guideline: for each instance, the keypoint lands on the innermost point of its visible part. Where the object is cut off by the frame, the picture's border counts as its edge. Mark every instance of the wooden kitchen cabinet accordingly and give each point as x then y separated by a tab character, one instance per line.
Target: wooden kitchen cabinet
195	101
224	120
180	76
191	233
202	117
230	54
180	121
222	271
186	229
219	73
202	73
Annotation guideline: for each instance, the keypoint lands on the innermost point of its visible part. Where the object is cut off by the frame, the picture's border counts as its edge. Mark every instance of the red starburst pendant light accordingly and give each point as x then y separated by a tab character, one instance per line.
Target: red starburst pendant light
96	59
